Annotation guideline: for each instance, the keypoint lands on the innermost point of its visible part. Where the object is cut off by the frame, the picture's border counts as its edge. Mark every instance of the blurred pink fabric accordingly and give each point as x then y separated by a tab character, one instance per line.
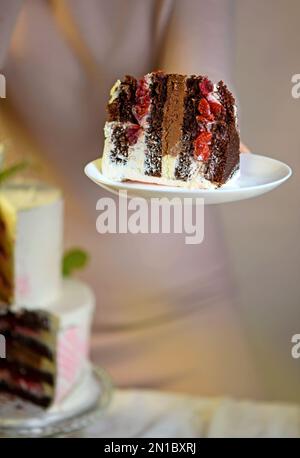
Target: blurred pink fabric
166	314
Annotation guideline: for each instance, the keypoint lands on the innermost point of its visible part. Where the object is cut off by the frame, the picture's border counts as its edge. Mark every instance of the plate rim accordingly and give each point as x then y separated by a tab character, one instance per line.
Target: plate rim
170	189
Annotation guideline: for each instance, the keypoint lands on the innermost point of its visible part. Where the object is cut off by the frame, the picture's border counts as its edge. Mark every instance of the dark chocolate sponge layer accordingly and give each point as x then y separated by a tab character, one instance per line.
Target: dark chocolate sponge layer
154	130
13	338
224	159
37	320
190	127
121	108
18	369
42	401
119	153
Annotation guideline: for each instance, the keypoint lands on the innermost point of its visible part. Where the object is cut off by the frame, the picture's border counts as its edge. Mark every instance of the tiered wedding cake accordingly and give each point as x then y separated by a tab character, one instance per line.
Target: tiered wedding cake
45	320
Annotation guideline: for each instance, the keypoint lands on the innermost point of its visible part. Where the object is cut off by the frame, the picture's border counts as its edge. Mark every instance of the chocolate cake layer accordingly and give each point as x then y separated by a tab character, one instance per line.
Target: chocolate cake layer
154	129
120	109
224	159
5	289
6	262
17	370
173	115
3	253
190	127
42	401
2	226
29	357
13	339
37	320
119	152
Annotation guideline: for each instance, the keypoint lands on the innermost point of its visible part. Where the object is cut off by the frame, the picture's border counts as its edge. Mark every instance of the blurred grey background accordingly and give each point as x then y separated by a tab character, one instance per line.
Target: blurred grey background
263	234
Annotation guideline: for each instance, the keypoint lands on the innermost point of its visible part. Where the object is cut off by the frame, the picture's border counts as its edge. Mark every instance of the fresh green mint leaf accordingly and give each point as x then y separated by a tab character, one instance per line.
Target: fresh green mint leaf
74	259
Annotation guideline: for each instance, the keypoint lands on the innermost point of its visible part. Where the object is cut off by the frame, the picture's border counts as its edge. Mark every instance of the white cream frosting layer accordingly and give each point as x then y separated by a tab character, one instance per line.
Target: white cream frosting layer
74	309
34	217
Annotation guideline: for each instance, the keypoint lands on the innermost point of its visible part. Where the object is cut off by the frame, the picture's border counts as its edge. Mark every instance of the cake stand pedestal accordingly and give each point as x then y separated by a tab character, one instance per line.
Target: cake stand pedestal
80	409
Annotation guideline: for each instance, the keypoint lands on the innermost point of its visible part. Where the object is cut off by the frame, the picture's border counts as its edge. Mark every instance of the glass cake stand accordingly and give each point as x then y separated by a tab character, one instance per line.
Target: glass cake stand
80	409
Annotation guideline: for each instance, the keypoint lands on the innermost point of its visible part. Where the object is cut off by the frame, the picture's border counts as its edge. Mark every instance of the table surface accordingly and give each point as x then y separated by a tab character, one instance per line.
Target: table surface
141	413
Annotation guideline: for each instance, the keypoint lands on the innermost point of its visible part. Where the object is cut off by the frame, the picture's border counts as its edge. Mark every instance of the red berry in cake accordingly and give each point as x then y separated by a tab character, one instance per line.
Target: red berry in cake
204	137
139	112
201	145
215	108
28	385
203	107
140	92
204	110
142	100
205	153
206	86
201	119
132	134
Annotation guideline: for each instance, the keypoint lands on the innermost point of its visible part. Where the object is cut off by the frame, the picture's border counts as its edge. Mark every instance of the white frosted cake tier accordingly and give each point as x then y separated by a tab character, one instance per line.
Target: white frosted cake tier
31	217
75	311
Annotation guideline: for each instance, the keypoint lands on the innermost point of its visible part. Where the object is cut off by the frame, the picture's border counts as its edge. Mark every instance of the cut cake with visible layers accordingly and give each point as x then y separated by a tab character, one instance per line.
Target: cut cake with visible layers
47	350
45	322
171	129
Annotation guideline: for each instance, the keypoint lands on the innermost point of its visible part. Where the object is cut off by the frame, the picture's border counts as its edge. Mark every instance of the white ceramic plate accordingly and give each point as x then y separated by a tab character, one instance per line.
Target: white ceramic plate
258	175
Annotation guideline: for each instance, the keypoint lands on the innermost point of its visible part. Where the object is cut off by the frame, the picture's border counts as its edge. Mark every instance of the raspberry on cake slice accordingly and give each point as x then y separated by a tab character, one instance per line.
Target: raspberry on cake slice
171	129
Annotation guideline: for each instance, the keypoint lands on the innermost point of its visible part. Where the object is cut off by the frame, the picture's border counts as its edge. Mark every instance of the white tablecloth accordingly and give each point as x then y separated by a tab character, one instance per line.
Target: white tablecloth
139	413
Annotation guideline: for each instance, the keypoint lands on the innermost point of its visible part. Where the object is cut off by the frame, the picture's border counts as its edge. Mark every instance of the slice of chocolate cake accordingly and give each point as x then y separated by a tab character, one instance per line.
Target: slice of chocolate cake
171	129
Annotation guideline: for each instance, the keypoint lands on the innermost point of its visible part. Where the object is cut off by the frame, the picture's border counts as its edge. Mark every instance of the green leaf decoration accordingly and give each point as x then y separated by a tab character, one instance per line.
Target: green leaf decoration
74	259
7	173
